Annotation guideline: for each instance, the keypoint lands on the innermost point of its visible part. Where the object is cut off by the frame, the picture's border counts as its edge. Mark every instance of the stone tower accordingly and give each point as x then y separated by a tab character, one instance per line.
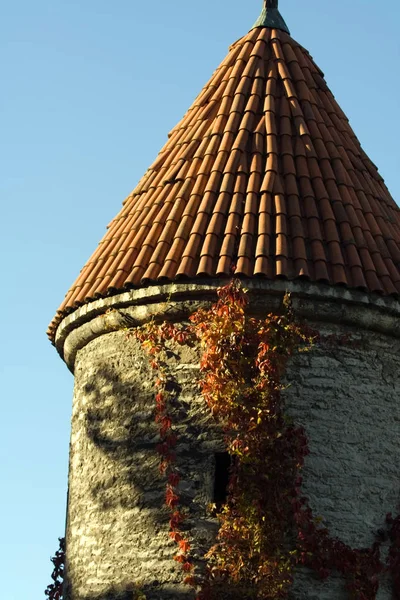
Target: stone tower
264	174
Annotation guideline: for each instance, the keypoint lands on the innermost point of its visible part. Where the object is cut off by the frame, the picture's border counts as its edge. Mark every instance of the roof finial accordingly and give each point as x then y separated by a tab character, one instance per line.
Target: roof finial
271	17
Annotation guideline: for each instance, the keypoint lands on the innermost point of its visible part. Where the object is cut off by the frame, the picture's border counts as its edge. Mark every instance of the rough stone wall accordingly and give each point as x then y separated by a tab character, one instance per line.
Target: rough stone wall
117	532
347	398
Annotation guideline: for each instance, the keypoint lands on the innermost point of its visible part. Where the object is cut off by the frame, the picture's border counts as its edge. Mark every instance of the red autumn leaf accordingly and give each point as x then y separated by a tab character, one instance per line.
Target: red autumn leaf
171	499
163	449
180	337
184	546
174	479
187	567
176	536
176	519
180	558
171	440
166	424
163	466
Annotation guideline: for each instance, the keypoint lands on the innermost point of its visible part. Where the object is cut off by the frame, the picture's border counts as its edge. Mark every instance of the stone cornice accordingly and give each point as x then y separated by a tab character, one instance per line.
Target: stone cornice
176	301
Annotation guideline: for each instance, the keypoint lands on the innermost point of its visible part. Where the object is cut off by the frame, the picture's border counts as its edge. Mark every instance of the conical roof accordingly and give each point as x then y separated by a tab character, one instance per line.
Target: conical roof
263	176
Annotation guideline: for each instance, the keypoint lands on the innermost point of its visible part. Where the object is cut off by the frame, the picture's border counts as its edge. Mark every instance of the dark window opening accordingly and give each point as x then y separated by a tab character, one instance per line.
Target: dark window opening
223	463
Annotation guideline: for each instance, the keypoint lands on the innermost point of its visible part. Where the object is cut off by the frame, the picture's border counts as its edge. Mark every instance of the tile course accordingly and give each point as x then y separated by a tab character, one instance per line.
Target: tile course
263	177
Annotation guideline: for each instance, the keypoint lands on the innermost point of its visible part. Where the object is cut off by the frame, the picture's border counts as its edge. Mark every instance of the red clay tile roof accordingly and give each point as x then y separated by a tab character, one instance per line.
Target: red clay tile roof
263	174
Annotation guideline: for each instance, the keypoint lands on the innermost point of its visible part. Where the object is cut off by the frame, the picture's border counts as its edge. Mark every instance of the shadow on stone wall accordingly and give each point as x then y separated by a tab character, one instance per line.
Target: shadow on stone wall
119	420
117	489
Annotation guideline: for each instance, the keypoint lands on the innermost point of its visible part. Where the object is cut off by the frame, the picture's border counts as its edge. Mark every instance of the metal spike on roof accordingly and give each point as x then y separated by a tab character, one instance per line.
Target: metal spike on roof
271	17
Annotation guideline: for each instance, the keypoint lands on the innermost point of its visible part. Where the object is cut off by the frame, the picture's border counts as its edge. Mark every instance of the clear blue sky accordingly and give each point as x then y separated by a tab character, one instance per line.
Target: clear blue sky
90	90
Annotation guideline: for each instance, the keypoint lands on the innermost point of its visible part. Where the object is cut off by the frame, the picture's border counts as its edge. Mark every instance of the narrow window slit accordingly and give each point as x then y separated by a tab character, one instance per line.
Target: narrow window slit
223	462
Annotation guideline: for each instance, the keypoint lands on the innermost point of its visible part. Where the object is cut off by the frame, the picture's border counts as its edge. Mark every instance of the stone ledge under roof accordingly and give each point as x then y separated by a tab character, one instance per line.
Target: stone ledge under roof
176	301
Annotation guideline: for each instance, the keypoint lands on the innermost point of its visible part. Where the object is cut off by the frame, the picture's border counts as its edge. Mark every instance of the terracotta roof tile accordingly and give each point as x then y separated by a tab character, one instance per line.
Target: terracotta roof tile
264	174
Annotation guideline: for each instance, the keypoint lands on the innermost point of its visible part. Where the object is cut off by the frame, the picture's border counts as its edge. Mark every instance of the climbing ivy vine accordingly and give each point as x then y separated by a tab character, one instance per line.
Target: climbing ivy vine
54	591
267	527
